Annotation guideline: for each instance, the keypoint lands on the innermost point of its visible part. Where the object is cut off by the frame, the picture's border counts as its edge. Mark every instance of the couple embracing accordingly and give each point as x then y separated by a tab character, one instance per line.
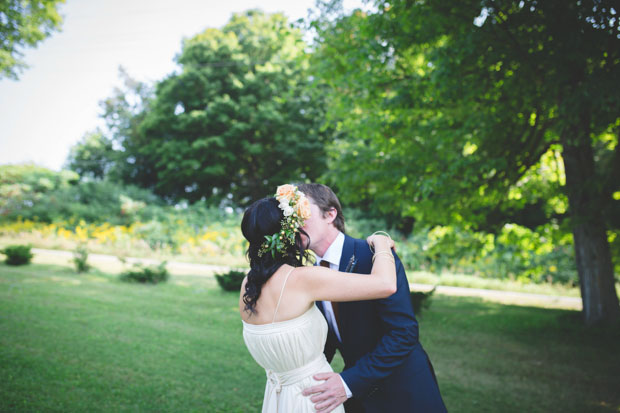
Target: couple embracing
355	299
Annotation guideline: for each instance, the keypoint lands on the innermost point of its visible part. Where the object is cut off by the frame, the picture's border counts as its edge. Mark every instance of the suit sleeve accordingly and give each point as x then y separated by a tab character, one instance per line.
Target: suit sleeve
401	335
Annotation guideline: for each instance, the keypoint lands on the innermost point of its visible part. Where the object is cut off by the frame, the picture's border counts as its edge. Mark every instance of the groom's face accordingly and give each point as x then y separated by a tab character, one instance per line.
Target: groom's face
318	225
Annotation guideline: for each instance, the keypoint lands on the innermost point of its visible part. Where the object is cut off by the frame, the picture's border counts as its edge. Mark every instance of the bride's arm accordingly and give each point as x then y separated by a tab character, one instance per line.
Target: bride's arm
321	283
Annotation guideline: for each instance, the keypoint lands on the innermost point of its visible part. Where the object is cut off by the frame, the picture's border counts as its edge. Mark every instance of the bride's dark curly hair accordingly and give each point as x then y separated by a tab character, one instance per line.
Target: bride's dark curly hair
263	218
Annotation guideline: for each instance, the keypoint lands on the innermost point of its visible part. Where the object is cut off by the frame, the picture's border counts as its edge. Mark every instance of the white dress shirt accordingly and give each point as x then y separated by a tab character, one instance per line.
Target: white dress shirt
332	256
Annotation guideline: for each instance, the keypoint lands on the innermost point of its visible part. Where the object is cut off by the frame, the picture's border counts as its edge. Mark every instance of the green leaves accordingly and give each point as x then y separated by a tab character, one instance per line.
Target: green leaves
273	243
24	23
442	119
239	119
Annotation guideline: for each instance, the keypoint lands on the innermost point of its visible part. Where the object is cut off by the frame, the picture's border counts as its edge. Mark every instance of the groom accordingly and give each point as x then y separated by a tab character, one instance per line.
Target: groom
386	368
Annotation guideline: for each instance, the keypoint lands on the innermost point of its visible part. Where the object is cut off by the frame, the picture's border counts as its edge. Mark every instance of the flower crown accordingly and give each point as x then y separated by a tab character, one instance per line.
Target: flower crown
296	208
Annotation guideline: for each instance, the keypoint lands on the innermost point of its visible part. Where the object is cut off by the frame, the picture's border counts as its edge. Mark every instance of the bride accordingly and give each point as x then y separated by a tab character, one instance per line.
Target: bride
282	327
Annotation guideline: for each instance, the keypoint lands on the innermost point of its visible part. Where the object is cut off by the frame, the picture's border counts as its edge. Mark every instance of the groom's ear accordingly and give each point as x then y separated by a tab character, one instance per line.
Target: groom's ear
331	215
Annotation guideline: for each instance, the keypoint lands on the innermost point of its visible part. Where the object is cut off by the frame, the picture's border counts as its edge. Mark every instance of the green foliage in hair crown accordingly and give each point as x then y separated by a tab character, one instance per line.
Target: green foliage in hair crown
296	208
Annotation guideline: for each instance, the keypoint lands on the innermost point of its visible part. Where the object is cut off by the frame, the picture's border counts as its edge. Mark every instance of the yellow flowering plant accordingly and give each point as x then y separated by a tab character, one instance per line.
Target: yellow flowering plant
296	209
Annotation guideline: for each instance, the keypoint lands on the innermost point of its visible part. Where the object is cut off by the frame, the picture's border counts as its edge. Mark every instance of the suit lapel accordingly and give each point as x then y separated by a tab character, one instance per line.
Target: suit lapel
347	251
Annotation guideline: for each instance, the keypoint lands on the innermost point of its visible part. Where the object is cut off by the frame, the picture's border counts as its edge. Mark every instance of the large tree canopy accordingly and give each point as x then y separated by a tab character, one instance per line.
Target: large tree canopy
452	108
238	119
24	23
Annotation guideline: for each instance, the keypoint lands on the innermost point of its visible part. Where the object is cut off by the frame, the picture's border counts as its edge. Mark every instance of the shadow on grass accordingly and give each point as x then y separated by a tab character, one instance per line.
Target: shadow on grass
494	357
522	322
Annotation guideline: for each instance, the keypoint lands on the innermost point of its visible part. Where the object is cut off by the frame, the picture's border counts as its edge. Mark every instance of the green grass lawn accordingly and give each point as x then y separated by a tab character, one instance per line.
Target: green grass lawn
75	343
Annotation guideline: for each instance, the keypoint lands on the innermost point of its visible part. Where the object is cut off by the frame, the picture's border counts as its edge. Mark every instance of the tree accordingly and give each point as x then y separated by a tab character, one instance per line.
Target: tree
238	119
93	156
24	23
108	153
123	112
451	104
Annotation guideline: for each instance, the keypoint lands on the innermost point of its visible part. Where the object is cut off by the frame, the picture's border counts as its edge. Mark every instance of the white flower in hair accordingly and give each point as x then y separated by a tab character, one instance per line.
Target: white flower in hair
288	210
296	209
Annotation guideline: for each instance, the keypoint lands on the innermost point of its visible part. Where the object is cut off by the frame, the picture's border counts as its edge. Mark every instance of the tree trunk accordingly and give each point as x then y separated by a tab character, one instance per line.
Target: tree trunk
587	197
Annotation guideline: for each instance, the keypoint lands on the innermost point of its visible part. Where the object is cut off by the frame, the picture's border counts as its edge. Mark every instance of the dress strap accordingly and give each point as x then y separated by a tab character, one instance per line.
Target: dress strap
281	292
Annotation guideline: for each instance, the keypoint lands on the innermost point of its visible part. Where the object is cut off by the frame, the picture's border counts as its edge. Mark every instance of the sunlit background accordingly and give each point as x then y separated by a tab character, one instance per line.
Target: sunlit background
481	134
56	100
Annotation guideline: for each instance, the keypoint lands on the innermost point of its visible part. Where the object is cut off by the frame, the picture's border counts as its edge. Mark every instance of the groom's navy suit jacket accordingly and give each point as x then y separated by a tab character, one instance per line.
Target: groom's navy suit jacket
386	368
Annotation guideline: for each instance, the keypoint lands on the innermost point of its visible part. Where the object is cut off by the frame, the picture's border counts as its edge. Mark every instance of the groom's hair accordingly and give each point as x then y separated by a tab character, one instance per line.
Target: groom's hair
325	199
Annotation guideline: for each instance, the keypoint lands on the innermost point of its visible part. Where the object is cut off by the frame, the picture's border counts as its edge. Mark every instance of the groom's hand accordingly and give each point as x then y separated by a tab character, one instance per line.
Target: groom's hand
329	395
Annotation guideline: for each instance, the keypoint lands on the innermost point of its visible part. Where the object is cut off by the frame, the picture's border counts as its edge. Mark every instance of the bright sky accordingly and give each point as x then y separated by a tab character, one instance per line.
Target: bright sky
56	100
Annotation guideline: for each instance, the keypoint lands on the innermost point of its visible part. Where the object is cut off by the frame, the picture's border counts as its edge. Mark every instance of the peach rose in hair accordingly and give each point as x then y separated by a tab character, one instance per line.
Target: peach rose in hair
303	208
285	191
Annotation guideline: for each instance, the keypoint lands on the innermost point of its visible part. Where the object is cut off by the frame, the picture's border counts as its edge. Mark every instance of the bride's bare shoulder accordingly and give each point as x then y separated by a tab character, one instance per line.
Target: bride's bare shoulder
306	270
310	273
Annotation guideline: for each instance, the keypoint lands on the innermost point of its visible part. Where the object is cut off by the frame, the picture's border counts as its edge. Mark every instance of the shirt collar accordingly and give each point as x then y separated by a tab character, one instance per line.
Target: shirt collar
334	252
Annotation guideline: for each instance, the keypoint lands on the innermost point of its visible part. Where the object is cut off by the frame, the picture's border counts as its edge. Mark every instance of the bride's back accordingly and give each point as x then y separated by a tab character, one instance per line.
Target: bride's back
281	287
289	340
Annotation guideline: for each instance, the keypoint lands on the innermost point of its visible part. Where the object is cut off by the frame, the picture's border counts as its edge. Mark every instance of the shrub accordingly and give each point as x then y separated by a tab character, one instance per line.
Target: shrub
17	254
146	274
156	234
421	300
80	258
23	186
230	281
38	194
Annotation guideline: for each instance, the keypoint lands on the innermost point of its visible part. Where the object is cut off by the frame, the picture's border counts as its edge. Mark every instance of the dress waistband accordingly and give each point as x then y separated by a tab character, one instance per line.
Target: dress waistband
286	378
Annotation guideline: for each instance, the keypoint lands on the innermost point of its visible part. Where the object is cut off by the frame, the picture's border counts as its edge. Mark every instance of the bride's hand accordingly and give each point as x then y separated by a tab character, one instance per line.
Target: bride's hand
374	238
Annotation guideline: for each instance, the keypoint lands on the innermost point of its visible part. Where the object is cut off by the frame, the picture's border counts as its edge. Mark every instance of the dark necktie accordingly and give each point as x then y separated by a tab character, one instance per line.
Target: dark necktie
334	303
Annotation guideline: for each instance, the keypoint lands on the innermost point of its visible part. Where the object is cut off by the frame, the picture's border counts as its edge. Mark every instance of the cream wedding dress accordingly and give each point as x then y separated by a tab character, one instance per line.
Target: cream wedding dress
291	352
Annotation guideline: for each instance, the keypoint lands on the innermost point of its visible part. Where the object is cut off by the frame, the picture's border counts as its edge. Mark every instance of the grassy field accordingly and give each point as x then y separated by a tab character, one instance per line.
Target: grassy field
76	343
